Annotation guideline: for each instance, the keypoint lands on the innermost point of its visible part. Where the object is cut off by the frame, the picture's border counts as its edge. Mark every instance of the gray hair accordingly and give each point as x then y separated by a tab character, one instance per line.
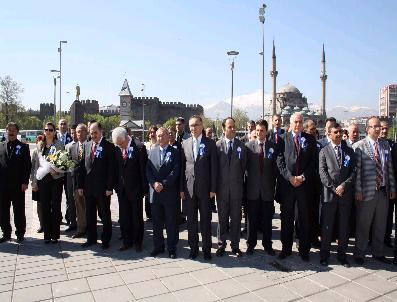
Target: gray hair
83	126
119	133
294	116
162	129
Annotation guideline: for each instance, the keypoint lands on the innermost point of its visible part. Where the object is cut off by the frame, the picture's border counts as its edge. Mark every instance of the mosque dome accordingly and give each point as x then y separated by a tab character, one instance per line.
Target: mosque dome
288	88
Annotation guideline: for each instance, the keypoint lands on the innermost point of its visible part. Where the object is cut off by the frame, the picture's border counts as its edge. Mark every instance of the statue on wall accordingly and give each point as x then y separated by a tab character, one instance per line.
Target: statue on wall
78	92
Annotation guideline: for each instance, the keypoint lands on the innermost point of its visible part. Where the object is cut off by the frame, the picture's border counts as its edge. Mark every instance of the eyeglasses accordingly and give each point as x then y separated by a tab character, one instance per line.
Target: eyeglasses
49	130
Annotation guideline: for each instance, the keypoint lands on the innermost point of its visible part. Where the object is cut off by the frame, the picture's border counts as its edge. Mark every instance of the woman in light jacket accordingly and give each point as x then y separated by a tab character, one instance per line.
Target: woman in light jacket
50	187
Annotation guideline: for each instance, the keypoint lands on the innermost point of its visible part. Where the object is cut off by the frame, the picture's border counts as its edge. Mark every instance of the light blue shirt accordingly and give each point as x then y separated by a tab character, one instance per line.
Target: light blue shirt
196	146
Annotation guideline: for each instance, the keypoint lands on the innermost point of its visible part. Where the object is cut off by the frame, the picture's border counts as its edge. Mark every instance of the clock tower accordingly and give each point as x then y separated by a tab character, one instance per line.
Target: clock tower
125	102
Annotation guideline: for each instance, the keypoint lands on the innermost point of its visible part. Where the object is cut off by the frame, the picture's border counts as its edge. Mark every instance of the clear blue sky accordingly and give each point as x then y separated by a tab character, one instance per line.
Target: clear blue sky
178	48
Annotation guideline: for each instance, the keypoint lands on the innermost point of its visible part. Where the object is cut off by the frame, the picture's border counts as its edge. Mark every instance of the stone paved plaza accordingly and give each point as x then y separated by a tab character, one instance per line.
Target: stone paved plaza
34	271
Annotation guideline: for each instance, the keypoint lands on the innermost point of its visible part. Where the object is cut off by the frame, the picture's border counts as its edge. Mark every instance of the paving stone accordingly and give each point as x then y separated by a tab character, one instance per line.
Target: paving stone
254	281
195	294
34	293
147	289
84	297
350	273
5	287
104	281
376	283
169	269
226	288
326	296
382	299
161	298
113	294
137	275
70	287
277	293
355	292
5	296
178	282
327	280
303	287
244	297
90	273
209	275
41	281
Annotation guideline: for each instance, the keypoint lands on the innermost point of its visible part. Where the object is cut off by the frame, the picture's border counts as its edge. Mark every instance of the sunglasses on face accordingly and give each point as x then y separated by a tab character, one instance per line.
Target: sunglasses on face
48	130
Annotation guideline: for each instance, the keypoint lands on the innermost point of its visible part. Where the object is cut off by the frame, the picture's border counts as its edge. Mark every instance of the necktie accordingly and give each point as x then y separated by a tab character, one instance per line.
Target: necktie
124	154
93	150
161	156
80	151
230	151
378	165
261	159
338	155
297	146
276	136
195	151
297	149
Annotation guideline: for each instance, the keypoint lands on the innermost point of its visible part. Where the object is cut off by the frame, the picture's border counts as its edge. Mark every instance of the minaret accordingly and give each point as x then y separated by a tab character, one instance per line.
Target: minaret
274	74
323	78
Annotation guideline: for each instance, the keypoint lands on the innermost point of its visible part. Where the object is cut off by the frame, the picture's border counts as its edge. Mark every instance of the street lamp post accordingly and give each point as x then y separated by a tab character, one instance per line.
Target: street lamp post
55	94
60	76
232	54
143	112
262	20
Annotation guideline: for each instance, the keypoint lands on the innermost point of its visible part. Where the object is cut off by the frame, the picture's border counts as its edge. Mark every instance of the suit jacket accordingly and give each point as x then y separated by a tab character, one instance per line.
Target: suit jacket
366	168
183	136
69	138
289	164
73	149
199	176
166	173
96	173
258	185
272	136
230	175
131	173
333	176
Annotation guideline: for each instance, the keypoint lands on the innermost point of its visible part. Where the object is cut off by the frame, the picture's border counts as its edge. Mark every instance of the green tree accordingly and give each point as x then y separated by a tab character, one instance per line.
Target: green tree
10	92
241	119
108	123
31	123
171	122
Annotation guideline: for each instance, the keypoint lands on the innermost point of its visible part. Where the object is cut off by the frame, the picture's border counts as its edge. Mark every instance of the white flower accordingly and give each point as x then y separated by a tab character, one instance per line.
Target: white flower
18	147
131	149
238	149
303	139
202	146
347	157
271	150
386	151
99	148
168	154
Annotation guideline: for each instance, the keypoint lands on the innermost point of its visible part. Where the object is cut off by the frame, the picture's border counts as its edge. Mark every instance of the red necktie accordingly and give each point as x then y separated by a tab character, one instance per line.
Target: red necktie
297	149
93	150
124	153
276	136
261	159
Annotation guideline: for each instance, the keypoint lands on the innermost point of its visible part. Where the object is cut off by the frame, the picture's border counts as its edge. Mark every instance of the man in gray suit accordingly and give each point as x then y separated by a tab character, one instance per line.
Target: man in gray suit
232	158
375	184
198	185
75	150
337	169
261	180
325	140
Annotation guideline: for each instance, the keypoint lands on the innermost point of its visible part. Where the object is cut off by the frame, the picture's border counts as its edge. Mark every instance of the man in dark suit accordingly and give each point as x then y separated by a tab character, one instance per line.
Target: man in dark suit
337	169
162	171
96	183
275	133
75	149
131	186
181	134
261	181
384	133
71	147
374	186
296	165
16	174
198	185
325	140
232	157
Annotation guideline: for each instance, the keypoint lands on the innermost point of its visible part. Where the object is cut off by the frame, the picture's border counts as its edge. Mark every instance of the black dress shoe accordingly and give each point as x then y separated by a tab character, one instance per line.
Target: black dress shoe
88	243
192	255
388	243
54	241
382	259
359	260
5	239
344	263
283	255
138	247
40	230
250	251
395	260
305	257
120	237
124	247
220	252
172	255
155	252
20	239
237	252
78	235
270	251
324	262
316	243
207	256
47	241
105	245
182	220
70	228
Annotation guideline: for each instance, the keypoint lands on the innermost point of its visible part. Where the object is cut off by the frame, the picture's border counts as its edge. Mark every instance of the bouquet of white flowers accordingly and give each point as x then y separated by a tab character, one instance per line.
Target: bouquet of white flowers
58	161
